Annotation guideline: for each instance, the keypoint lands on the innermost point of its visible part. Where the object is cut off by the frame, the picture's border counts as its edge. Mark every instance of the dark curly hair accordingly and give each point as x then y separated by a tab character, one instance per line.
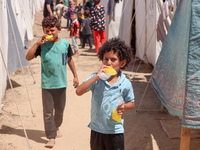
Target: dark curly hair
119	47
50	22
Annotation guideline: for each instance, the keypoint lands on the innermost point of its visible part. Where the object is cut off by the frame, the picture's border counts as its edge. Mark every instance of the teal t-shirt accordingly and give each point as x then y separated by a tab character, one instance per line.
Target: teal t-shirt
54	58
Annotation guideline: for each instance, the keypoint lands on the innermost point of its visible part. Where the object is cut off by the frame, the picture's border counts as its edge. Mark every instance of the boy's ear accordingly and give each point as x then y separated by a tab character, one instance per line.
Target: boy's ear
123	63
59	29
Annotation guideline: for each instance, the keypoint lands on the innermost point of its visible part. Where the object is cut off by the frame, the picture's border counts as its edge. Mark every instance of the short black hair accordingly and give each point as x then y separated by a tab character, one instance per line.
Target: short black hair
118	46
50	21
96	2
73	13
86	13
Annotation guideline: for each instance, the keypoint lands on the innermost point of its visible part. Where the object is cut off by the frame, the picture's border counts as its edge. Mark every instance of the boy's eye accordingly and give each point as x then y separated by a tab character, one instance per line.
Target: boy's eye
113	59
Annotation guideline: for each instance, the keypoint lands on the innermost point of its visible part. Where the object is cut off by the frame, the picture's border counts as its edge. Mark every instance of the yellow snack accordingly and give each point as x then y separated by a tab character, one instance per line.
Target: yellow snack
110	71
116	116
49	37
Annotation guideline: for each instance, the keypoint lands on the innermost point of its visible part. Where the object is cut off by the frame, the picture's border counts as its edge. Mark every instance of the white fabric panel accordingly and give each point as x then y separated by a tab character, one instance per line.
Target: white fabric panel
3	47
140	28
22	19
121	25
150	32
126	22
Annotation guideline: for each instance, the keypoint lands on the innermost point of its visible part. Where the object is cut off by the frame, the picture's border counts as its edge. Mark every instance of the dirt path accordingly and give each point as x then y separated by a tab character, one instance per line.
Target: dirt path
142	129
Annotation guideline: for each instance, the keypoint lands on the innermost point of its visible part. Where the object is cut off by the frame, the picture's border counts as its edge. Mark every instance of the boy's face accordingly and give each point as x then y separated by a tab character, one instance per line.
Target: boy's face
52	31
73	17
112	59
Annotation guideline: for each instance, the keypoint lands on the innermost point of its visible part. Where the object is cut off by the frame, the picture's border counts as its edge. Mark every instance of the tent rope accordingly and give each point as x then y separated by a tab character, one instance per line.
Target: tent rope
20	59
27	140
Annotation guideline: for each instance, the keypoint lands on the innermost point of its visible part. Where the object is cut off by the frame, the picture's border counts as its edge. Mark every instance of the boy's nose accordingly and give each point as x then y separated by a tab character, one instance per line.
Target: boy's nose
109	62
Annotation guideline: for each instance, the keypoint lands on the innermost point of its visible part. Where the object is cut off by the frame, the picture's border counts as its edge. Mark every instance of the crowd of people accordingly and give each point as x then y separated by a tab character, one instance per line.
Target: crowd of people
83	21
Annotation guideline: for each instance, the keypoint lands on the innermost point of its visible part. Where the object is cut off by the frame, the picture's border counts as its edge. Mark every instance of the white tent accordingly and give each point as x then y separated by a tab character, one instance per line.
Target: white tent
15	30
119	25
151	29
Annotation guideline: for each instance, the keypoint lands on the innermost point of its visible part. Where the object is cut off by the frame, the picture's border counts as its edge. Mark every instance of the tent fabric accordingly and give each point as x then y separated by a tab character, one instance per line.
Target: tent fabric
176	75
15	31
121	25
15	43
3	47
191	109
151	29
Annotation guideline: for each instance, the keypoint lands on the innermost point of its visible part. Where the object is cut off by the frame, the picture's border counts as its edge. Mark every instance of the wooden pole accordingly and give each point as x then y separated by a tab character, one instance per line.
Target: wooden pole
185	138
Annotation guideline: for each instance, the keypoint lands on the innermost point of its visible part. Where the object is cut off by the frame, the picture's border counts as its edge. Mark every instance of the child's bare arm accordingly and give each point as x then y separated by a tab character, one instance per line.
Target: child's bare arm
73	69
126	106
31	53
81	89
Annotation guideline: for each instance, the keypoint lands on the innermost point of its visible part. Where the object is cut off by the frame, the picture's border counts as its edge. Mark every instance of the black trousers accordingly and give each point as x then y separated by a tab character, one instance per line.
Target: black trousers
53	108
87	38
99	141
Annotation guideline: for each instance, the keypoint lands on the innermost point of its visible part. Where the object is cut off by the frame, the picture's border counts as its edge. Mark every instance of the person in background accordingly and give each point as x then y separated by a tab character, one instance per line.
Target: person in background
114	94
60	10
88	4
80	20
87	32
97	24
55	54
48	8
71	9
74	32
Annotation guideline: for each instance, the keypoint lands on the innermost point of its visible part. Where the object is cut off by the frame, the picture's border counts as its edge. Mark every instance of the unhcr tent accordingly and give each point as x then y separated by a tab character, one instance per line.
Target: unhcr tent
17	18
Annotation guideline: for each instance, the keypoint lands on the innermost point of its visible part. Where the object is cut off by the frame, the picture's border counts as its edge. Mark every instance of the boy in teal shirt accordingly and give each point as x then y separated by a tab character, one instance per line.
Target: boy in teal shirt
107	132
55	53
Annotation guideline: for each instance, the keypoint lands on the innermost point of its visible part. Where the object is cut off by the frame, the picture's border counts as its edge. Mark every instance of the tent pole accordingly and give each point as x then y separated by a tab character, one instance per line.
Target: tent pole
185	138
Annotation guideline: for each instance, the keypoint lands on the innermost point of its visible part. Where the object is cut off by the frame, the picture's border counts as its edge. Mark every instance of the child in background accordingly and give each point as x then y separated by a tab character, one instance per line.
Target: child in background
106	133
80	20
60	10
74	32
87	32
97	24
55	54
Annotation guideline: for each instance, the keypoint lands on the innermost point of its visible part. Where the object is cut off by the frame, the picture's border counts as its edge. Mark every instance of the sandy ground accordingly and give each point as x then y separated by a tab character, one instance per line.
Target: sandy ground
143	130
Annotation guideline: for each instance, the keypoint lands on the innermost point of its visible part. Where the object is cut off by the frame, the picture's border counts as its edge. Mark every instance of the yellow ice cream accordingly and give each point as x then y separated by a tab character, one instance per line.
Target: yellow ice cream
49	37
110	71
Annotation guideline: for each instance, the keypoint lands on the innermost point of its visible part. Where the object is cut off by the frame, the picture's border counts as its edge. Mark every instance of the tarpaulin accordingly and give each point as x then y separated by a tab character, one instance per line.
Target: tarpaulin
176	76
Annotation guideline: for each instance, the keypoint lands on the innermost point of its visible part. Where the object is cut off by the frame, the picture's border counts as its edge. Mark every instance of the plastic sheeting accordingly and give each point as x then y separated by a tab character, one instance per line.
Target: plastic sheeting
176	77
16	25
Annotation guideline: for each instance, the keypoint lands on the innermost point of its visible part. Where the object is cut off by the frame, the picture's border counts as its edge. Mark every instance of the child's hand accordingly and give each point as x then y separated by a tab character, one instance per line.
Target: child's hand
120	109
76	82
102	69
77	36
42	40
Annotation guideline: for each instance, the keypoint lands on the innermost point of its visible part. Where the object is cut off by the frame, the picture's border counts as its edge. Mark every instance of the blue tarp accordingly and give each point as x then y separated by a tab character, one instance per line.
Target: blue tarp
176	76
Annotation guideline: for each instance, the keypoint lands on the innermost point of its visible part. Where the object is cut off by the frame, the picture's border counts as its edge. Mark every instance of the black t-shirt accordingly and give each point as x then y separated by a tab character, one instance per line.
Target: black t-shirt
46	12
